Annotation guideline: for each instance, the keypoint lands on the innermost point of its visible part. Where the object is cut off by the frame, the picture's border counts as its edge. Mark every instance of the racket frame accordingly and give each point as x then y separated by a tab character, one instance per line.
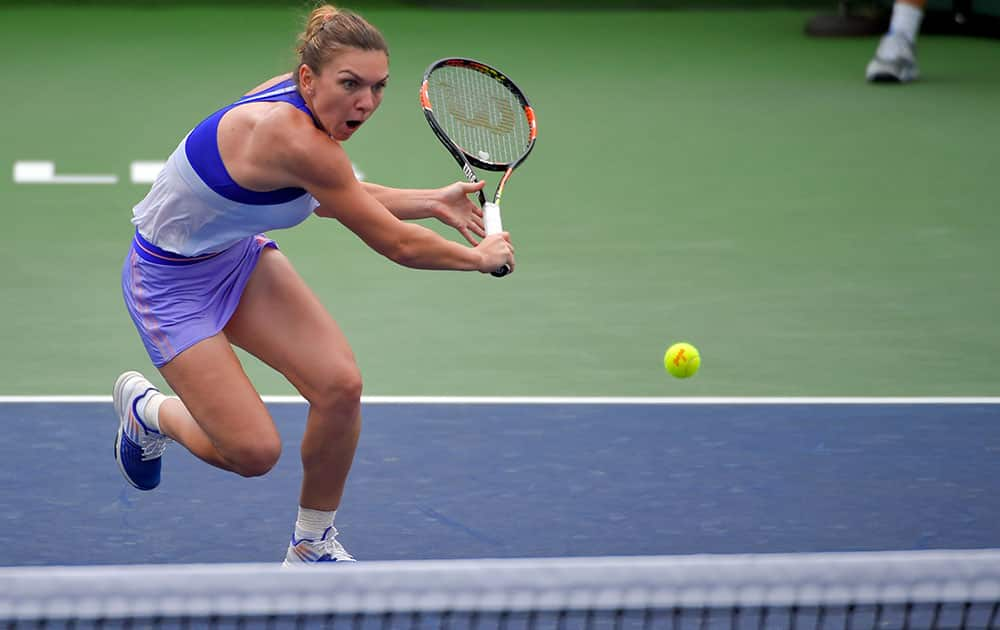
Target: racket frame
467	160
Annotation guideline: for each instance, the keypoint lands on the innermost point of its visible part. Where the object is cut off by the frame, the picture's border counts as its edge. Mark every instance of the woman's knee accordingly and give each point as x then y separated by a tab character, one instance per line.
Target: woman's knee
336	388
256	457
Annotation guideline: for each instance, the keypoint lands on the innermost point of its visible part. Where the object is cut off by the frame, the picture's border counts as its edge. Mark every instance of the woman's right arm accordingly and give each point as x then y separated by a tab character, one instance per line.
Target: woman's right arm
310	160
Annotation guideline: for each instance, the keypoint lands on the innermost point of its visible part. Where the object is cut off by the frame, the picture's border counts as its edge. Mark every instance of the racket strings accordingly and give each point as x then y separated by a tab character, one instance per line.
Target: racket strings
479	114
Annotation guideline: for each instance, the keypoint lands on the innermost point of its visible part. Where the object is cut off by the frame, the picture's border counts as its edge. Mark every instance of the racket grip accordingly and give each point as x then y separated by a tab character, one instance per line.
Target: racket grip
491	219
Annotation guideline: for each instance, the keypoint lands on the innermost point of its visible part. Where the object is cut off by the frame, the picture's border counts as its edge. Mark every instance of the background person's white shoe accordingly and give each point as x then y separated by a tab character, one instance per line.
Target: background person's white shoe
895	61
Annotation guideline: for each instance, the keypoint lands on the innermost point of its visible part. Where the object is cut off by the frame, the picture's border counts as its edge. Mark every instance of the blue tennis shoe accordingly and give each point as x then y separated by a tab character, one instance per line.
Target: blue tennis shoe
138	447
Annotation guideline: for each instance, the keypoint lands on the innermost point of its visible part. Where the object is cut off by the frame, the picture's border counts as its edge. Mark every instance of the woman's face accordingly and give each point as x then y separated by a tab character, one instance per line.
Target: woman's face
347	91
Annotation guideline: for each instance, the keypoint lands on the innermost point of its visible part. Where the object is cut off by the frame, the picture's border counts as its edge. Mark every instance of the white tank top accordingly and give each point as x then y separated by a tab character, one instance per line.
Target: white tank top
194	207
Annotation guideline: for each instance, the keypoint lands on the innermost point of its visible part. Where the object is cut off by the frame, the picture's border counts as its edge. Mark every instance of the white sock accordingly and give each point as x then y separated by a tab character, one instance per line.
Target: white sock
149	409
906	20
312	523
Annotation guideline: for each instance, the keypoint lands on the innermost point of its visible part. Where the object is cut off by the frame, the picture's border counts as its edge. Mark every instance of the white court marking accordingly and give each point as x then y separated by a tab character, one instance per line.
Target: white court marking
144	172
45	173
140	172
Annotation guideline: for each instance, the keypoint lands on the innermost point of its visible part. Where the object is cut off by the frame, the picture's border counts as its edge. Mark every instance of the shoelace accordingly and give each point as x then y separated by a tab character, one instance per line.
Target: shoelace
333	547
153	446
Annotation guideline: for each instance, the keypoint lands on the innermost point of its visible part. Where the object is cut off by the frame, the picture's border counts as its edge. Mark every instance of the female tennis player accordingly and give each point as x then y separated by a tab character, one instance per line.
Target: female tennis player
200	276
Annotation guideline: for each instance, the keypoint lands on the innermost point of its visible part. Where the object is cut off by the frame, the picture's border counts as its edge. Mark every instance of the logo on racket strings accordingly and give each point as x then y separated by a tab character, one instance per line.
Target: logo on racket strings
494	113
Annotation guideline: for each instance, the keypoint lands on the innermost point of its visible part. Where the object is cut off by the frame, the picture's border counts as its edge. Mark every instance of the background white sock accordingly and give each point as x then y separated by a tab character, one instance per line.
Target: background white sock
906	20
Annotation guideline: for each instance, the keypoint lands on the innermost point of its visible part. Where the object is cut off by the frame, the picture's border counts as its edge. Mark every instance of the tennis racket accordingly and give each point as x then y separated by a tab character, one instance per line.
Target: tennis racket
484	120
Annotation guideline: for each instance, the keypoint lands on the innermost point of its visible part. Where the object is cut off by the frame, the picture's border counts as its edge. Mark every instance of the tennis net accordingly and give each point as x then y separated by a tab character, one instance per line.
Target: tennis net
832	591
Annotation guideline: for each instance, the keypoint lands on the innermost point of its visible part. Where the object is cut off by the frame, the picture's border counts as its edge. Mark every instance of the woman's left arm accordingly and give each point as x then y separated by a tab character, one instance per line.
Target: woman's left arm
450	205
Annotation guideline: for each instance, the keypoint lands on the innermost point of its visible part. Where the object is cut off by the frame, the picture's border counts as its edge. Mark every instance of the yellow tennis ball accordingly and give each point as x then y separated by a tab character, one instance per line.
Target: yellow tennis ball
682	360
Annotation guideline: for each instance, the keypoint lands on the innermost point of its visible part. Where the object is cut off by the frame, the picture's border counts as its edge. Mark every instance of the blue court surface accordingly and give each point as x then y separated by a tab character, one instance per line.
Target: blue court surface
525	480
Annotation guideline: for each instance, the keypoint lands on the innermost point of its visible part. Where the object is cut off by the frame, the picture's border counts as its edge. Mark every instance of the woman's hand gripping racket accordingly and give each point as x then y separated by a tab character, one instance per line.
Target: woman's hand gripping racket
484	120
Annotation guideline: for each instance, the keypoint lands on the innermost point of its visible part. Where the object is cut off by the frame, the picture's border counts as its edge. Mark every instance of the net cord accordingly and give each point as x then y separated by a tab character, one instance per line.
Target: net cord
516	585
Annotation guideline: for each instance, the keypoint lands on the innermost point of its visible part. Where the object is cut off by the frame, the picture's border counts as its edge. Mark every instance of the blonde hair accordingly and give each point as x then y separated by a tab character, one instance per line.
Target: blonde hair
329	30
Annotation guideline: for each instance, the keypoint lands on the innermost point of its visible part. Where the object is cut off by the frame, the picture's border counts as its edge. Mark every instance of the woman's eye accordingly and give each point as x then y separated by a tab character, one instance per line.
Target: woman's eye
350	84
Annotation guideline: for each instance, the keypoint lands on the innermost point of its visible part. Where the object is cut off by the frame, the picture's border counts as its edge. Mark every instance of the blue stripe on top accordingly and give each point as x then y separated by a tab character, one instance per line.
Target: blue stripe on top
154	254
202	150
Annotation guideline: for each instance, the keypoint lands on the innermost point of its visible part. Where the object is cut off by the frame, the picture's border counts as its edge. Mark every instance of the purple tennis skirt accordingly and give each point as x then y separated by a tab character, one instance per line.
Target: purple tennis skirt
176	301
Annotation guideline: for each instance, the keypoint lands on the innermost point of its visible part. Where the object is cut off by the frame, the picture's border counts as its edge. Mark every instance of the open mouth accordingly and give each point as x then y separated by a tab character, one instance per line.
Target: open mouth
353	124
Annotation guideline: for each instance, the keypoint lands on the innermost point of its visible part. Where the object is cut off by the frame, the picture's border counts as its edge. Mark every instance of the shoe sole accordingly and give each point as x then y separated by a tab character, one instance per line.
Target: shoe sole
285	564
882	74
890	78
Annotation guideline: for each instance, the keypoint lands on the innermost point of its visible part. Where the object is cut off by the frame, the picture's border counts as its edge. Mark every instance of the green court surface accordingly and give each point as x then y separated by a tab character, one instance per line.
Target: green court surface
707	176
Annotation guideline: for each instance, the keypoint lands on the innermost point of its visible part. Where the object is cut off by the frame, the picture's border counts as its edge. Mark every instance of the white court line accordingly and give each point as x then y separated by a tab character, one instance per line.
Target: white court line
140	172
144	172
584	400
44	172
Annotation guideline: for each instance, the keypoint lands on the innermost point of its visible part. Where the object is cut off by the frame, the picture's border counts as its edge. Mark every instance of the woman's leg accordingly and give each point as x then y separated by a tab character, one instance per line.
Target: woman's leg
282	322
222	419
